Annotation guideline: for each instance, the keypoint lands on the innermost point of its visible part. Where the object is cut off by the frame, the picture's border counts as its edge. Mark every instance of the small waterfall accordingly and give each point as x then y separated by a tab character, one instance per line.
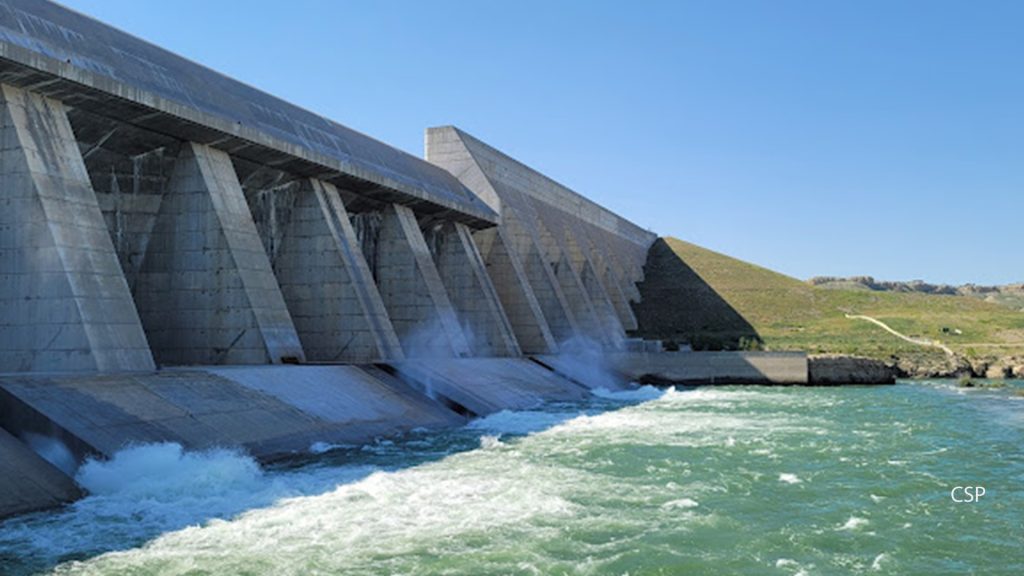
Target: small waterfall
367	227
271	206
434	235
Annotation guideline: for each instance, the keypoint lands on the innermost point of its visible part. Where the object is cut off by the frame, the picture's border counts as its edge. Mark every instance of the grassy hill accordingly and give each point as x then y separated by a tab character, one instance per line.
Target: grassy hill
695	295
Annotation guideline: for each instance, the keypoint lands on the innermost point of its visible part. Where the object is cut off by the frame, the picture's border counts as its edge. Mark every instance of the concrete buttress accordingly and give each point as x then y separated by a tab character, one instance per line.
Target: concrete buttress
576	295
542	280
470	290
206	291
64	302
337	310
517	297
412	291
583	257
581	260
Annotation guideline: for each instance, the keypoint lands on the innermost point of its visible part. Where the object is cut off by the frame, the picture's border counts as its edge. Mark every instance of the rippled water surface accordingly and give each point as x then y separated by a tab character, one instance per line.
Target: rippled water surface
727	480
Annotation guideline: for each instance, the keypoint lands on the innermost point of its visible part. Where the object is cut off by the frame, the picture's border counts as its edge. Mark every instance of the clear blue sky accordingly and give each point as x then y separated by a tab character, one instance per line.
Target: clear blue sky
814	138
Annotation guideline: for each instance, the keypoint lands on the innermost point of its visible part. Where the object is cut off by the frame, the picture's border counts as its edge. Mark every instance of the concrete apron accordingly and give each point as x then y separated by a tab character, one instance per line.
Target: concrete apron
276	412
271	412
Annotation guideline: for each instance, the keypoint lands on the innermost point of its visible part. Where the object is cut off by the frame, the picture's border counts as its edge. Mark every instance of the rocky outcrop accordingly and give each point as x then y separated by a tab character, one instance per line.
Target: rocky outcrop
999	368
998	372
841	369
919	286
933	366
1010	295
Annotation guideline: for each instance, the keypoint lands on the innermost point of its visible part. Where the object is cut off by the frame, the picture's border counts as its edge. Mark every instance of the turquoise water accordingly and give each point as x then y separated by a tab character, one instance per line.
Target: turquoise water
726	480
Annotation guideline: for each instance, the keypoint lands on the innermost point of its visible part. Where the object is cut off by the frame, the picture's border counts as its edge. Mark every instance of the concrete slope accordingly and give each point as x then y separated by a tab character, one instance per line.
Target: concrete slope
486	385
269	411
27	482
356	405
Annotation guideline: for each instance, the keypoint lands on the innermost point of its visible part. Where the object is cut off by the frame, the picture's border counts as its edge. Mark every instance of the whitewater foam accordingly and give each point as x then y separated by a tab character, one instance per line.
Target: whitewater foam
166	472
489	442
470	493
324	447
680	503
519	422
854	523
641	394
147	490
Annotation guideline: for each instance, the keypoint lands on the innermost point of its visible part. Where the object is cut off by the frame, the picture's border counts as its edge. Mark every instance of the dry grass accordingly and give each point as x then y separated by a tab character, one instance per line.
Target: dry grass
790	314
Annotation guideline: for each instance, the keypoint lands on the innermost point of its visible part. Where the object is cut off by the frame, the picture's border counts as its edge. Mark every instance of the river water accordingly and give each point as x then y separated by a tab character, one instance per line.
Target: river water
724	480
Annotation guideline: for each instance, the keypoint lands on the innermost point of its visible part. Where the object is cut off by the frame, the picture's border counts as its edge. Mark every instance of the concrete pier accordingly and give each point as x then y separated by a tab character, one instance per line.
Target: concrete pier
482	386
271	412
548	291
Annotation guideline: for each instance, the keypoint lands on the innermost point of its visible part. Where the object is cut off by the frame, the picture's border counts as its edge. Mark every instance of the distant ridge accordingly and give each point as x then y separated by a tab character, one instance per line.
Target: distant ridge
1011	295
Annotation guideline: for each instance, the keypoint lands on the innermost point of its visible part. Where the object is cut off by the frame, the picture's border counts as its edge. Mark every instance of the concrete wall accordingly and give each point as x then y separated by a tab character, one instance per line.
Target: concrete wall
580	260
278	270
173	224
713	367
515	294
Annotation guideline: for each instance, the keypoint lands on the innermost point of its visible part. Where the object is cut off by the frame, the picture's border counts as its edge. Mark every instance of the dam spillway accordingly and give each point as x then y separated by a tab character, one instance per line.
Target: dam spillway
184	218
188	259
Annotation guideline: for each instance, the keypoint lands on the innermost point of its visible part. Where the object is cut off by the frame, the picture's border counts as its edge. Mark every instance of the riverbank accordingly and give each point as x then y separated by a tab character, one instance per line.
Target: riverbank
931	366
843	368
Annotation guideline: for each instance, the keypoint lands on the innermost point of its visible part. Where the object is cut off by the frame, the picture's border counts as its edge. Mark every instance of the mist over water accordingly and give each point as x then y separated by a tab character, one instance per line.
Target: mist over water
745	480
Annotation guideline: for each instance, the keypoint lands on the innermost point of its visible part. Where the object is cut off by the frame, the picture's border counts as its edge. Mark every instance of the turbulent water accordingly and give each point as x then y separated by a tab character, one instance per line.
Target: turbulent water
726	480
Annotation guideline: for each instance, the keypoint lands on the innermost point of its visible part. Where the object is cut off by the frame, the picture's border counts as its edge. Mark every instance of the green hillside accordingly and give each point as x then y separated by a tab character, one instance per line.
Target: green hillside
696	295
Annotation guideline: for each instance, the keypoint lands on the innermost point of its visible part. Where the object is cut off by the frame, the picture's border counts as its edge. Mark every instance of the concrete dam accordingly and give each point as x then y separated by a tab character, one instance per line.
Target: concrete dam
184	258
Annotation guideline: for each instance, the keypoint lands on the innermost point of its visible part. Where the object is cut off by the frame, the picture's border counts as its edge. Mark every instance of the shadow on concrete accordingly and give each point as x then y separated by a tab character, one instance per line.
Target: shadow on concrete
31	543
679	307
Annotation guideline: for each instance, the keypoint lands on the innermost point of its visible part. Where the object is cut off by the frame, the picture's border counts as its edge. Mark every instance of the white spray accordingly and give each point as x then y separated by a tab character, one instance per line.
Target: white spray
586	361
53	451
